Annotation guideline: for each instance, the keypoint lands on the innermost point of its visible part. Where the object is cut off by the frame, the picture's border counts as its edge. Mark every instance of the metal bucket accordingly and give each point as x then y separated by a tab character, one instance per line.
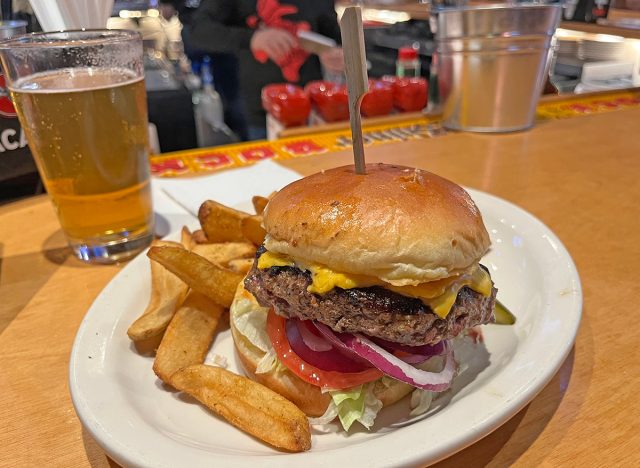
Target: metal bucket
493	63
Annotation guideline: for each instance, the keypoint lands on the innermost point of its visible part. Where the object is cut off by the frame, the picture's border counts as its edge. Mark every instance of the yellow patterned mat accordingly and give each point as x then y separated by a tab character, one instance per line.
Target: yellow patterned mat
206	160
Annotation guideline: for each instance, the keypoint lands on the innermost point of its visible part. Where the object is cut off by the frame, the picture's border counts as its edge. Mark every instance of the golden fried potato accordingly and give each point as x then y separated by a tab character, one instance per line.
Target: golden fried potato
241	265
186	238
247	405
222	253
259	203
167	293
189	335
200	274
221	223
252	229
199	237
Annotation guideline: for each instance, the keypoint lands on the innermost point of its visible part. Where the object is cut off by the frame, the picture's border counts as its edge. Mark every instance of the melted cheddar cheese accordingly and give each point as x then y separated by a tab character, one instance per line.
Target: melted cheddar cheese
439	295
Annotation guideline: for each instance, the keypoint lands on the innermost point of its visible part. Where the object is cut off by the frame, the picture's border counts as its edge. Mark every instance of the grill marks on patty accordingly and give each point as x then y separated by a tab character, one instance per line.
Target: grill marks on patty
374	311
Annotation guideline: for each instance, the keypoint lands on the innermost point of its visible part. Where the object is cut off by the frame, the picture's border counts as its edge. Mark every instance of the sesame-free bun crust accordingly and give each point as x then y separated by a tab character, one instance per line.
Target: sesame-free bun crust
404	225
307	397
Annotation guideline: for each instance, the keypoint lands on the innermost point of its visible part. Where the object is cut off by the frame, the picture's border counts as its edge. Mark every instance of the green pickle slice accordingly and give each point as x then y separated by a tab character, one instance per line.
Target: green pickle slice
503	315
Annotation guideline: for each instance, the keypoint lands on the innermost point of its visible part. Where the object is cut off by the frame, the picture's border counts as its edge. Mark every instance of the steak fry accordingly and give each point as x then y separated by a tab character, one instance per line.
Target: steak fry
247	405
188	337
167	293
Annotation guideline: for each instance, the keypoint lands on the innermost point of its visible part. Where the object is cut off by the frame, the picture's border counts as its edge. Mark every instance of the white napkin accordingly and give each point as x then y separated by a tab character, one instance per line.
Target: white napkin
169	216
176	201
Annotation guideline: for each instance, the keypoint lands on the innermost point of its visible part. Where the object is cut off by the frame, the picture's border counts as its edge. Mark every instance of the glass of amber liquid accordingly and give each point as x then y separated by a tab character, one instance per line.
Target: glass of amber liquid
81	100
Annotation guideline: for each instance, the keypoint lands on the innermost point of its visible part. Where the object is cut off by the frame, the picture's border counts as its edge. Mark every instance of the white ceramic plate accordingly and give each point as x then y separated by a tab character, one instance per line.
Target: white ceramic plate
138	422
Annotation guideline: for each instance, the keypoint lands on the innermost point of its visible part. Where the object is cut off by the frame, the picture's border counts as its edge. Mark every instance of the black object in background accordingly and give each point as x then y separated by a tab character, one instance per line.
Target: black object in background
6	10
138	5
20	187
583	11
172	113
383	43
589	11
18	173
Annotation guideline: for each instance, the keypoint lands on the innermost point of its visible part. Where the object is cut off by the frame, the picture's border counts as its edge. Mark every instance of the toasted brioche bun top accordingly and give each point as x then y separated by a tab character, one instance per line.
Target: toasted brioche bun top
403	225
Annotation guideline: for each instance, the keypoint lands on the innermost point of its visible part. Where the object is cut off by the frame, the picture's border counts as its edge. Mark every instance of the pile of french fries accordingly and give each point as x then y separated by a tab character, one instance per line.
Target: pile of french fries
192	285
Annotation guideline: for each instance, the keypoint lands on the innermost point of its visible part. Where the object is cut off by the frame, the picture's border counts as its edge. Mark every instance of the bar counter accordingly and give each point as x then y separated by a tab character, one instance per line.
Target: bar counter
420	11
578	175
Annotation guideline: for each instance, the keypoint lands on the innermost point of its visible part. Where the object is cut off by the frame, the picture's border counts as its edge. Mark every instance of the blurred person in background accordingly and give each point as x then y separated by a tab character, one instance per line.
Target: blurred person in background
224	67
163	29
262	35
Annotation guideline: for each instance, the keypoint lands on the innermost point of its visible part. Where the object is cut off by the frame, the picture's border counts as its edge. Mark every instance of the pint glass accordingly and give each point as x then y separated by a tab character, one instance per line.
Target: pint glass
81	100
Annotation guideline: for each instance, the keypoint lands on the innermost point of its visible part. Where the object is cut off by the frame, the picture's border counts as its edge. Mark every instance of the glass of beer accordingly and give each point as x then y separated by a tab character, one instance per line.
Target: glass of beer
81	100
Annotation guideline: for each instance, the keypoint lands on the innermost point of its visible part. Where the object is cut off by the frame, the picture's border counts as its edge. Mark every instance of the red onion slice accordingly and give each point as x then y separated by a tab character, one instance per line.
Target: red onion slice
413	358
330	360
400	370
394	366
424	350
313	341
410	354
332	336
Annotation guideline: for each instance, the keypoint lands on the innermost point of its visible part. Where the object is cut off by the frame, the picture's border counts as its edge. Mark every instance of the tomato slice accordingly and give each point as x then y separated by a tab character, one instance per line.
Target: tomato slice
314	375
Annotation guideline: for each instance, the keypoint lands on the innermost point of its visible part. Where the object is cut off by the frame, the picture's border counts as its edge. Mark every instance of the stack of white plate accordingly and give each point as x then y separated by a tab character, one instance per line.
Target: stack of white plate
602	47
568	46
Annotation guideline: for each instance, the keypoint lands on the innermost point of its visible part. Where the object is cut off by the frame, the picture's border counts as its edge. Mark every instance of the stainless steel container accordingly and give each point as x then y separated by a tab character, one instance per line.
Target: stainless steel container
493	64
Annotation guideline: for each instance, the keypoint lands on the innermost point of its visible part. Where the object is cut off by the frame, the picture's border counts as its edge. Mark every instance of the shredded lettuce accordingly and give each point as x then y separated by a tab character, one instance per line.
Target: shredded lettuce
267	363
355	404
387	381
214	359
251	321
371	408
350	404
420	401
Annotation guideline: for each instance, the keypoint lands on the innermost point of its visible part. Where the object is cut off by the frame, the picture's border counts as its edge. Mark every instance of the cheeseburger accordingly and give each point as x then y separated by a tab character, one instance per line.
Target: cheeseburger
359	288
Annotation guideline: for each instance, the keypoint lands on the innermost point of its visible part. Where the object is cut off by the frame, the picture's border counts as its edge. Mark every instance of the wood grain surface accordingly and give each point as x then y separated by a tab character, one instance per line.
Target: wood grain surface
579	176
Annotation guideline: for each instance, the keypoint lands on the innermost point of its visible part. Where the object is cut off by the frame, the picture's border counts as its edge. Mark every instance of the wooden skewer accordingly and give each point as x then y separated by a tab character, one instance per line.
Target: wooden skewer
357	81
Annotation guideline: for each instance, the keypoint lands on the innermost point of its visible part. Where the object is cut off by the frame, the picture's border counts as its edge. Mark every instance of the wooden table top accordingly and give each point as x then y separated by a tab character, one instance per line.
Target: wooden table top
579	176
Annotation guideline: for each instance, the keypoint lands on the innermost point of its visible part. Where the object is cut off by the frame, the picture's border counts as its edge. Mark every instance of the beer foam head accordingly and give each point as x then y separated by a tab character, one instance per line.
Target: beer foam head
75	79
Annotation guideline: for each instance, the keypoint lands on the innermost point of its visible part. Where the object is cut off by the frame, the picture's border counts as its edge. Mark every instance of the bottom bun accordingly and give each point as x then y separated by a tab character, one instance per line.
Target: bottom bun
307	397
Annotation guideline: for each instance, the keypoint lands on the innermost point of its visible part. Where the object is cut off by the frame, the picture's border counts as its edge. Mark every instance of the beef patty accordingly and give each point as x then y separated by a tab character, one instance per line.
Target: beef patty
374	311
